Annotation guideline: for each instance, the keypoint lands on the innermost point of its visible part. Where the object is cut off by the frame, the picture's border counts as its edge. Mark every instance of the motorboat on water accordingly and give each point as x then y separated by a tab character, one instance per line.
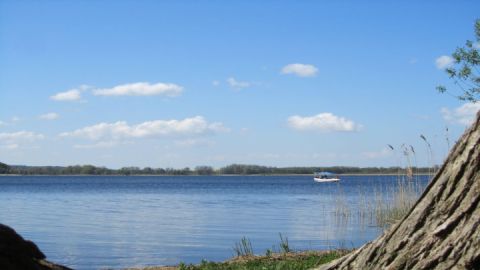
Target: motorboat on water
322	177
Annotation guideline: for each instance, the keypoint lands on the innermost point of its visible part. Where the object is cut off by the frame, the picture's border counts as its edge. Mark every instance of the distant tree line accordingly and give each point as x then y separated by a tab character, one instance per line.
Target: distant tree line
256	169
234	169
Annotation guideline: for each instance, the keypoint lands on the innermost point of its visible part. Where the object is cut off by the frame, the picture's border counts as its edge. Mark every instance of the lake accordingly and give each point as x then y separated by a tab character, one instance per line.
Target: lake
98	222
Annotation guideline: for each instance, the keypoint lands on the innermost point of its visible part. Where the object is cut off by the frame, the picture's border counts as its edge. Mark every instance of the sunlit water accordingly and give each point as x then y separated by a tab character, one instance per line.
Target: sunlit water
117	222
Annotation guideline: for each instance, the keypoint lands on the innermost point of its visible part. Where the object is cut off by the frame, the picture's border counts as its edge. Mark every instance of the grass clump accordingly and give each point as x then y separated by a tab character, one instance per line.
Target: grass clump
243	248
276	261
284	246
285	259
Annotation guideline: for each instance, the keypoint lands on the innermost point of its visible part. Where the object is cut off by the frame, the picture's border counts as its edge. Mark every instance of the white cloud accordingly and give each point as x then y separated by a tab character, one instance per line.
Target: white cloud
21	135
49	116
324	122
194	142
301	70
121	130
463	115
444	62
385	152
12	140
70	95
9	146
12	121
141	89
215	83
101	144
237	84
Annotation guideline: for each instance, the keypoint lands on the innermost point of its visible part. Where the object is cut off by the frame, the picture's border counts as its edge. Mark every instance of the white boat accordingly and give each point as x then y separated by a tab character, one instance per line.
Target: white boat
322	177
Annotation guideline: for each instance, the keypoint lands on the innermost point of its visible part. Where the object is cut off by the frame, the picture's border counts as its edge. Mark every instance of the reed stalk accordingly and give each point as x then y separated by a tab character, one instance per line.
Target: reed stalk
243	248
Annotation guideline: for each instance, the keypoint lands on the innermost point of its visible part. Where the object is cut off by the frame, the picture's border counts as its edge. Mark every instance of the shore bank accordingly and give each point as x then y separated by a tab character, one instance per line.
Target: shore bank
274	261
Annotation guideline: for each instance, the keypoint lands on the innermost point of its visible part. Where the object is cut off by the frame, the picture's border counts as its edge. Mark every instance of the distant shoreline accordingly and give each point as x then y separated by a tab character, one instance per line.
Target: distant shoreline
229	170
222	175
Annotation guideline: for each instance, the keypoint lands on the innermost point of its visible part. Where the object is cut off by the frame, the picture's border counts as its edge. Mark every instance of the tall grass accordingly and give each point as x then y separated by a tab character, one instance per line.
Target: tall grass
382	209
430	155
342	209
403	196
243	248
393	205
284	246
447	138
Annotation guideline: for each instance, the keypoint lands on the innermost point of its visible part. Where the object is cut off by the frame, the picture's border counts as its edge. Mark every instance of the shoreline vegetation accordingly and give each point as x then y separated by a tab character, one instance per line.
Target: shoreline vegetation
230	170
273	261
282	257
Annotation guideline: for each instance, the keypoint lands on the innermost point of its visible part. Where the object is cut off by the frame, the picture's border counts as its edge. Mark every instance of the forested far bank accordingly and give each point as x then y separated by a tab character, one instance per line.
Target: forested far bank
234	169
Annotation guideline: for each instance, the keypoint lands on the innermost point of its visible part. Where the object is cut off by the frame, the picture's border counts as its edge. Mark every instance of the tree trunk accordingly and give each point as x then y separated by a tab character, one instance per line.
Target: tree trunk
442	230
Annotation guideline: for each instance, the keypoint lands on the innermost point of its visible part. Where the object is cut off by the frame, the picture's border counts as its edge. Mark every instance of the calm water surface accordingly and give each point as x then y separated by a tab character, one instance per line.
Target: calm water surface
116	222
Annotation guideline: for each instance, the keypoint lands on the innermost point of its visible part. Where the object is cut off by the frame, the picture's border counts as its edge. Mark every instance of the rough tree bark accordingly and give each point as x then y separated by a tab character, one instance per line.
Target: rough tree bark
442	230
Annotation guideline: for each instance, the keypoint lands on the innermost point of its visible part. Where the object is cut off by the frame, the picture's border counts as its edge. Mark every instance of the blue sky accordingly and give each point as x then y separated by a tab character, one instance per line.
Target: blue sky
187	83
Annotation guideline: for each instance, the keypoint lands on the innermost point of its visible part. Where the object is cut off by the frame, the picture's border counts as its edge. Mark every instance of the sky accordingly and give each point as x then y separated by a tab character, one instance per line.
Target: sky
190	83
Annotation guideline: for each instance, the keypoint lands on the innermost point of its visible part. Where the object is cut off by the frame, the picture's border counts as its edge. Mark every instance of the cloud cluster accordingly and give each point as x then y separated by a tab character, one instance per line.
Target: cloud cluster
463	115
121	130
101	144
141	89
237	84
21	135
444	62
301	70
10	146
13	139
194	142
323	122
130	89
49	116
12	121
70	95
384	152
